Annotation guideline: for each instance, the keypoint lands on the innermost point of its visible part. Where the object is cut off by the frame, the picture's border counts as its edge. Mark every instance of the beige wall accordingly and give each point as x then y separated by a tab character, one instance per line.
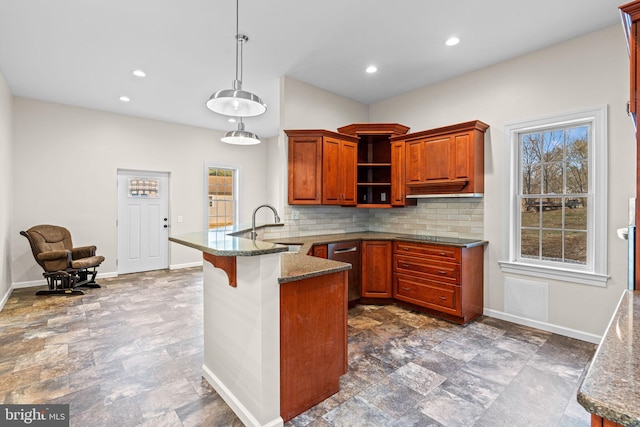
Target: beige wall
65	168
584	72
6	188
307	107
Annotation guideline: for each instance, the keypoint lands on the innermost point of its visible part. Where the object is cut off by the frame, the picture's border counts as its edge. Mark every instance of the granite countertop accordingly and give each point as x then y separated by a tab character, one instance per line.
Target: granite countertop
297	265
308	241
228	241
611	386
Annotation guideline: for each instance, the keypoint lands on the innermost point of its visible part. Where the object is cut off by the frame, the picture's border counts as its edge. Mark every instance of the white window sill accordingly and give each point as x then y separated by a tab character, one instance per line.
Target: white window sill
565	275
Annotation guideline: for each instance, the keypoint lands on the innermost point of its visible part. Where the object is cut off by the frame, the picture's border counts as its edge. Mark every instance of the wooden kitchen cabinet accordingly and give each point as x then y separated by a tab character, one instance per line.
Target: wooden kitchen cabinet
444	280
398	194
339	183
319	251
322	167
447	160
377	273
379	183
631	15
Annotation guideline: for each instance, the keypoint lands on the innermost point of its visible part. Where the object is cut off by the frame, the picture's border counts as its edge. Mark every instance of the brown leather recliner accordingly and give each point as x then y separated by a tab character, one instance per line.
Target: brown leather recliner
65	267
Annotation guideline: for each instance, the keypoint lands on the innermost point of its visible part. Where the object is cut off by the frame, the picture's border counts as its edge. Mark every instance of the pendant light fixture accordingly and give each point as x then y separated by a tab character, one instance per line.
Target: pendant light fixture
240	136
237	102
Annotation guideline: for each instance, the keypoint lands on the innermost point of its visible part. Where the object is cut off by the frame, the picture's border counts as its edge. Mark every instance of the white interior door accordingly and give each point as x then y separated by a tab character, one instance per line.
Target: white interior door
143	221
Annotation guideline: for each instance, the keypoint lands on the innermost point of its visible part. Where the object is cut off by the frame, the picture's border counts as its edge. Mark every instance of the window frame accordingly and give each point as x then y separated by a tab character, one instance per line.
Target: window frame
595	272
235	186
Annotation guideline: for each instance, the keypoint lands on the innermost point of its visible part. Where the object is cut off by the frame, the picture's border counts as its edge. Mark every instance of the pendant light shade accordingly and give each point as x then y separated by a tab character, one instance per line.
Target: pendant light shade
237	102
240	136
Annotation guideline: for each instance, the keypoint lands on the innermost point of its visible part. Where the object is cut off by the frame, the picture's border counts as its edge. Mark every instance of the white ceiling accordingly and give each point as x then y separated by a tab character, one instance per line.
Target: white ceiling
82	52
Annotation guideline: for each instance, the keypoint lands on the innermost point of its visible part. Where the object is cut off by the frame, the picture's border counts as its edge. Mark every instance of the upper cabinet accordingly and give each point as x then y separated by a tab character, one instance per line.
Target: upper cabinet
379	181
445	161
379	165
322	167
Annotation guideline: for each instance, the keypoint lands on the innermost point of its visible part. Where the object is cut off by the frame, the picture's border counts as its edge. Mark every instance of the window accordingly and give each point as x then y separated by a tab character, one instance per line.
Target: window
221	196
556	197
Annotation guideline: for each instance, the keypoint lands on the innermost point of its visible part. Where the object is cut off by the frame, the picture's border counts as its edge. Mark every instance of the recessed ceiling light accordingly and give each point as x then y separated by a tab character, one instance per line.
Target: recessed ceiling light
139	73
125	98
371	69
452	41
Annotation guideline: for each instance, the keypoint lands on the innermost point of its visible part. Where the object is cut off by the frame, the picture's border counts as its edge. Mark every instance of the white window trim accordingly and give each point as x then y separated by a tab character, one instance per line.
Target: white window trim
205	189
598	184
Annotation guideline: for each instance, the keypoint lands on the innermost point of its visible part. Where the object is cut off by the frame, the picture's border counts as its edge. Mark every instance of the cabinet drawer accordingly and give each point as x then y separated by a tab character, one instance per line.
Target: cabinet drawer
441	271
444	253
427	293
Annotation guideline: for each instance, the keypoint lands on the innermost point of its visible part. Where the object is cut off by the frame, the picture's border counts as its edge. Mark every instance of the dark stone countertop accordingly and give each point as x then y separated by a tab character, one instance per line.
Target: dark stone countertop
296	265
611	386
308	241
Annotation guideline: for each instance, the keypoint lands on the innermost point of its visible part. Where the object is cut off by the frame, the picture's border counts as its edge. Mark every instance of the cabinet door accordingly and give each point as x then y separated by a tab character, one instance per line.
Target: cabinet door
414	161
319	251
438	159
339	172
305	170
397	174
349	172
331	186
463	155
376	269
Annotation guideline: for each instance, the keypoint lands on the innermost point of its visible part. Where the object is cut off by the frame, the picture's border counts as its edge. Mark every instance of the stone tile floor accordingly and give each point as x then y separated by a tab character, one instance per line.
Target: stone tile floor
130	354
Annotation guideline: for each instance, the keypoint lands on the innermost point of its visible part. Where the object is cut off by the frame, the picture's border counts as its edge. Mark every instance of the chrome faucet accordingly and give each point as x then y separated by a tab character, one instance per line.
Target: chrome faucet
254	233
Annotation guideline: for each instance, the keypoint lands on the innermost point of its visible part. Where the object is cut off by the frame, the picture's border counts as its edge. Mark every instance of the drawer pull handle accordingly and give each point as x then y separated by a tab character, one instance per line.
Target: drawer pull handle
406	289
344	251
406	265
442	298
443	254
405	248
442	272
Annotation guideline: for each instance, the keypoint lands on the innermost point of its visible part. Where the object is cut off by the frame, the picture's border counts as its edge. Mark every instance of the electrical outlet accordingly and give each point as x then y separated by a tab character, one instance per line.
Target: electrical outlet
383	197
180	218
295	214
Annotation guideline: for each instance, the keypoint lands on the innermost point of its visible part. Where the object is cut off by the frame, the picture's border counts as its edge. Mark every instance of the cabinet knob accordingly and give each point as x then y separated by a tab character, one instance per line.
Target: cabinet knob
406	265
406	289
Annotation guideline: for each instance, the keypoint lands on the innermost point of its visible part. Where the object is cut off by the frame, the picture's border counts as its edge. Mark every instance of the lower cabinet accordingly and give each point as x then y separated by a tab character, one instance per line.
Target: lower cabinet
319	251
444	280
376	275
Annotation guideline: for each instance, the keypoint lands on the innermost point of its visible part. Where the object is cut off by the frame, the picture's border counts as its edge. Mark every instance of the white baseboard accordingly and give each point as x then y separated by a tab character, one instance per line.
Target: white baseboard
185	265
560	330
5	298
234	403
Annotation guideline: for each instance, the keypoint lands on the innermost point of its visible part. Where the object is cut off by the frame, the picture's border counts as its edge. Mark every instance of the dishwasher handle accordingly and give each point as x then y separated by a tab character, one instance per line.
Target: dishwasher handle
344	251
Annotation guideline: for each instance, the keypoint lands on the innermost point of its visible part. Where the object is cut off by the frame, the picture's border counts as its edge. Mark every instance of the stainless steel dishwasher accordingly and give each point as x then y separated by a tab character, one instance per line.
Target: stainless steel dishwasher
348	252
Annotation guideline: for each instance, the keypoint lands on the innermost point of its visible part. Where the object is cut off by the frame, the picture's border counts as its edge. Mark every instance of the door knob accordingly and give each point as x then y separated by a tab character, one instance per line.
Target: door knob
165	220
166	226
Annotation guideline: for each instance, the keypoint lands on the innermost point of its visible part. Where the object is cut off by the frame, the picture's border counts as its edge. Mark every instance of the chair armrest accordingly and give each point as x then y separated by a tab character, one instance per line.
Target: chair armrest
53	255
83	252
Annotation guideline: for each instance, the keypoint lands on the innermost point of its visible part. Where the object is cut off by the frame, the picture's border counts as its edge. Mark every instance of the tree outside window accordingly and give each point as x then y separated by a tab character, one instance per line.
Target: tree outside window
555	194
556	197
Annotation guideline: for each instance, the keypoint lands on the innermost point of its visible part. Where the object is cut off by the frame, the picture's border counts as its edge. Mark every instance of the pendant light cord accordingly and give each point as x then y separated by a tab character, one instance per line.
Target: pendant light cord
238	42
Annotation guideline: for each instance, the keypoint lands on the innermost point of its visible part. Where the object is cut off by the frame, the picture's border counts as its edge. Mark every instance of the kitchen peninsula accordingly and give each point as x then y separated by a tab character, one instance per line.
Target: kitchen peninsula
275	325
275	322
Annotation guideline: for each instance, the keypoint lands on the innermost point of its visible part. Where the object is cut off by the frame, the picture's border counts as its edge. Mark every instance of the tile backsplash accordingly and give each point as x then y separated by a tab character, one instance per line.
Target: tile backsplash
446	217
